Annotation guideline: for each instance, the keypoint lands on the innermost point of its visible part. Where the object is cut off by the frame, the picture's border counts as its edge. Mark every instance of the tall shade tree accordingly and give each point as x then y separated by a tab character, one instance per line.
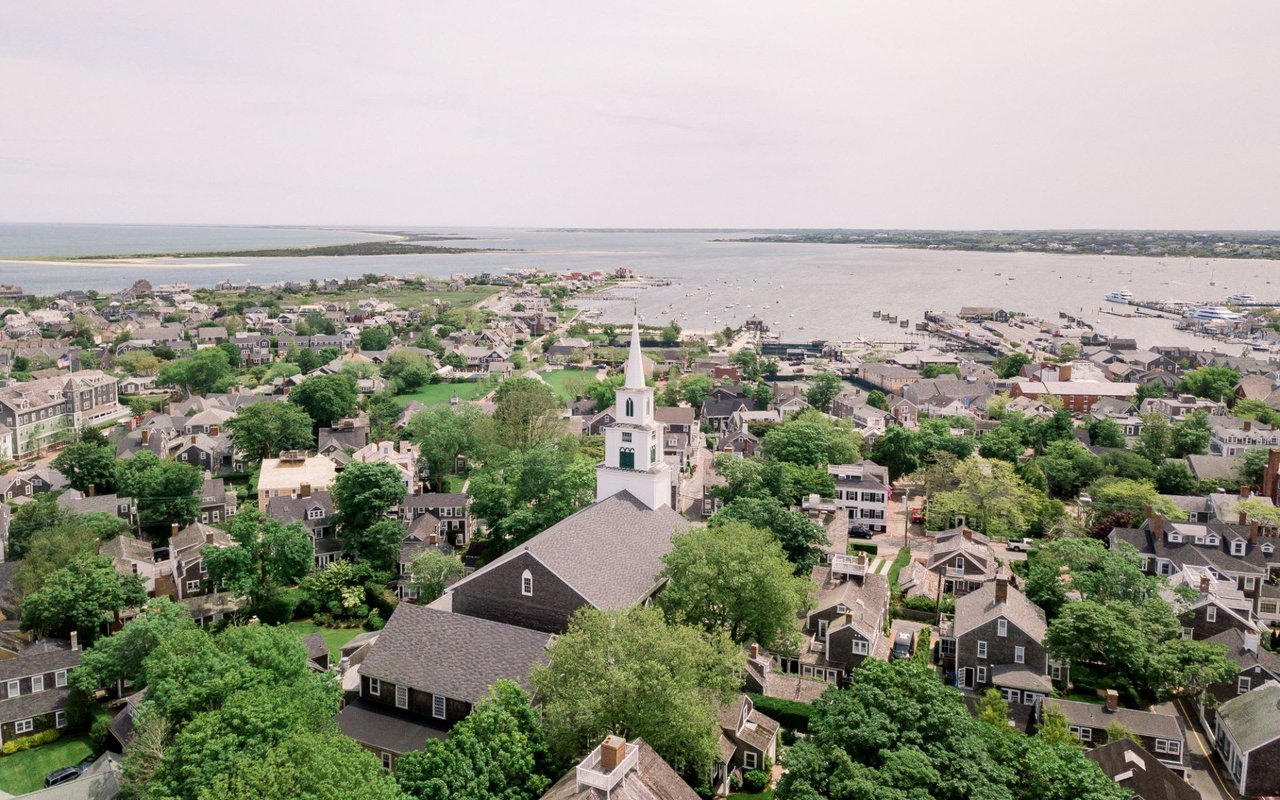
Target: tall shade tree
51	549
632	674
801	538
1104	432
443	433
1213	383
526	415
82	596
499	751
326	398
268	554
202	372
734	578
823	390
529	491
41	513
1185	668
1089	568
262	430
87	465
431	572
117	659
307	765
166	491
364	493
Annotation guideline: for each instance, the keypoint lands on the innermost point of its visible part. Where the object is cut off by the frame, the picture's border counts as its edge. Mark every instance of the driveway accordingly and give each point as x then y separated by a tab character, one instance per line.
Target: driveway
1205	774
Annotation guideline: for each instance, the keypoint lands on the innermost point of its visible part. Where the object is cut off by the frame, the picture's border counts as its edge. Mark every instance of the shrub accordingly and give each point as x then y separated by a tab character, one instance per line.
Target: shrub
374	622
278	610
790	714
919	602
27	742
98	732
755	780
870	548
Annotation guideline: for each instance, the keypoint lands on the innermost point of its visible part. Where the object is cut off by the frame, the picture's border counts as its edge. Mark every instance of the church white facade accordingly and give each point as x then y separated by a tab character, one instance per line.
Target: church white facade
633	444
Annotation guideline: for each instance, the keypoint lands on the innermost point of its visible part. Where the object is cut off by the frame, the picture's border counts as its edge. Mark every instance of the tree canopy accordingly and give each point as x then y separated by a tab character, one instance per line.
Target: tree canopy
82	597
529	491
263	430
268	555
326	398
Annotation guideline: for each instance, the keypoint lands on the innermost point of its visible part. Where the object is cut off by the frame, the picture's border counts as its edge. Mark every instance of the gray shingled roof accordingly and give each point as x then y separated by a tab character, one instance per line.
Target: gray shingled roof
46	655
1140	772
453	655
980	607
385	728
610	552
1142	723
652	779
1253	718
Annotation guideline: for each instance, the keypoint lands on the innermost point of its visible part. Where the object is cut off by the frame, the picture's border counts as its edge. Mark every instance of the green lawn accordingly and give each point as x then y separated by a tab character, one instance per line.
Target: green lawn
334	637
565	381
25	771
438	393
767	794
904	558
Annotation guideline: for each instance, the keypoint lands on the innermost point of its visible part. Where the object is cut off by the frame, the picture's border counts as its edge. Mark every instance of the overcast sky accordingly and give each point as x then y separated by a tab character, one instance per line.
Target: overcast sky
686	114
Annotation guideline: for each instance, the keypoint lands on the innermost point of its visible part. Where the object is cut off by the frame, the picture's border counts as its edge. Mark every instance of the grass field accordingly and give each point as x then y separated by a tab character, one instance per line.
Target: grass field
565	381
904	558
25	771
334	637
437	393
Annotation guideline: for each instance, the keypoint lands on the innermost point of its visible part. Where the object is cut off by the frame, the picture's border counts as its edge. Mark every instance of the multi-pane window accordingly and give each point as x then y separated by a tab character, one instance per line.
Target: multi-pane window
1019	655
1002	627
982	649
402	697
437	706
24	726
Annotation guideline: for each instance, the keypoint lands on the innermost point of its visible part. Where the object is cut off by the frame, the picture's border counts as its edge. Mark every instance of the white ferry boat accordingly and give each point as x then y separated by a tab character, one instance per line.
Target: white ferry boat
1213	313
1122	296
1242	298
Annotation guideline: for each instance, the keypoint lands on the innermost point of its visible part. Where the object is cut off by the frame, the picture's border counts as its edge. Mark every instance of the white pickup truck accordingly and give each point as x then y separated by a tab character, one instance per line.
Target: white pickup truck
1021	545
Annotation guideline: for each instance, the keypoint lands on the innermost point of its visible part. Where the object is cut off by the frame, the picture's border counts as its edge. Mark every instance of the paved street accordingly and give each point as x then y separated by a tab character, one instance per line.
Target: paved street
1205	775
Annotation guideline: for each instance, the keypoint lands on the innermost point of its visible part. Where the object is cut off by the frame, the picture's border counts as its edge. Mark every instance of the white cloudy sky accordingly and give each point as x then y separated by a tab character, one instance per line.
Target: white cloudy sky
948	114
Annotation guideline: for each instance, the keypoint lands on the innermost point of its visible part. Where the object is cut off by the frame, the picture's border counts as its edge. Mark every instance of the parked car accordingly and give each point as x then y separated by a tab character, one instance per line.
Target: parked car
903	644
62	775
1084	499
917	516
1021	545
859	531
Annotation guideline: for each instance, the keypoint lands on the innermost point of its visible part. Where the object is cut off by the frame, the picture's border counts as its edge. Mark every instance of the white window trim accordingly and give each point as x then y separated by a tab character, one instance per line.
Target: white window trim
982	649
1002	627
526	584
1211	614
438	706
386	761
1081	733
60	678
375	686
37	683
402	696
749	759
24	726
15	688
60	719
1019	655
982	675
1243	684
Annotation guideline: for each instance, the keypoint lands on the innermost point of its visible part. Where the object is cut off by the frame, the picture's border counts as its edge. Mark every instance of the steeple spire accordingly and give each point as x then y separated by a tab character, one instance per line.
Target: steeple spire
635	362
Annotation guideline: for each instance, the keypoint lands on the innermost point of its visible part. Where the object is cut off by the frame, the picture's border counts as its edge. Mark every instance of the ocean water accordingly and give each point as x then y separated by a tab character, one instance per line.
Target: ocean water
807	291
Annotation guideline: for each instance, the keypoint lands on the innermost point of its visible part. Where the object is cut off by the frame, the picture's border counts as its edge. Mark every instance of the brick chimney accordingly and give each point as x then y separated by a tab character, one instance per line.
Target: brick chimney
967	534
1113	700
173	529
1270	473
755	650
1248	425
1254	530
75	640
304	490
208	537
612	751
146	436
193	437
1245	491
1157	525
214	430
1002	588
91	490
1064	372
1241	519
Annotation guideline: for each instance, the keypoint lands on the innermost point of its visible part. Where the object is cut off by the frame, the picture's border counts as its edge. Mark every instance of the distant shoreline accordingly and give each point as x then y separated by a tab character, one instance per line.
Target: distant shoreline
385	248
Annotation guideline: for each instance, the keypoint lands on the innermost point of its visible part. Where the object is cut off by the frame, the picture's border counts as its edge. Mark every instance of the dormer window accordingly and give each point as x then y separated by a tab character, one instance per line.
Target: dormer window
315	513
526	584
1268	548
1175	537
1212	539
1237	547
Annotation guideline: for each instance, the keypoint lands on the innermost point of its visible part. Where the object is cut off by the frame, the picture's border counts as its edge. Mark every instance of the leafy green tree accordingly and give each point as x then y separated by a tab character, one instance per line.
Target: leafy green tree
896	732
1213	383
431	572
341	589
306	765
898	450
737	579
1130	497
118	659
1175	478
823	390
762	395
931	371
41	513
1003	443
1120	636
529	491
1059	427
935	435
1104	432
877	399
1252	466
375	339
87	465
526	415
1069	467
1130	465
51	549
443	433
990	496
201	372
1010	366
1185	668
1146	391
263	430
363	494
408	369
671	334
378	544
268	555
326	398
798	443
694	389
499	751
992	709
166	491
81	596
630	673
1088	567
1256	410
1191	434
800	538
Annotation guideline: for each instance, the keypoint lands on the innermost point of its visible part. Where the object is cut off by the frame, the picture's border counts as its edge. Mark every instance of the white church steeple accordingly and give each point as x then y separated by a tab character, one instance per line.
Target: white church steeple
633	444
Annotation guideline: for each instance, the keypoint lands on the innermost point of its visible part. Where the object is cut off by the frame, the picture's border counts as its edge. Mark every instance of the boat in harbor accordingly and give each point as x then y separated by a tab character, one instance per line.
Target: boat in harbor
1242	298
1121	296
1213	314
